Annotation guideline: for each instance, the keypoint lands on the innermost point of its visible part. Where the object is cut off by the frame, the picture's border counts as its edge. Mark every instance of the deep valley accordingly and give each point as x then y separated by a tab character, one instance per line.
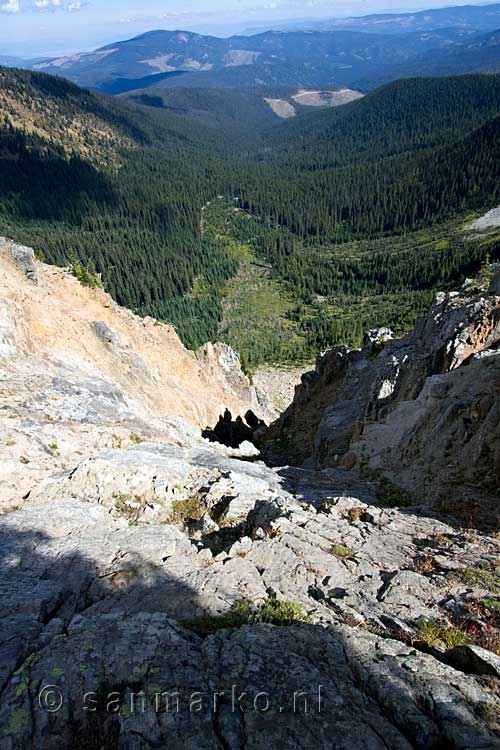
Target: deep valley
250	383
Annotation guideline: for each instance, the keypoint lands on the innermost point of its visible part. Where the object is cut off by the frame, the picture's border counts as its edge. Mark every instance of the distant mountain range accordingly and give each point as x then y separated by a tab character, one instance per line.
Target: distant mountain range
13	62
467	17
295	58
358	53
479	54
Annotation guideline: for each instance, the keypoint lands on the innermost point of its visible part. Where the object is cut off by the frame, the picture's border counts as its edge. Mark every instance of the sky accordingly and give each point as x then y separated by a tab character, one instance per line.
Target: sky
32	28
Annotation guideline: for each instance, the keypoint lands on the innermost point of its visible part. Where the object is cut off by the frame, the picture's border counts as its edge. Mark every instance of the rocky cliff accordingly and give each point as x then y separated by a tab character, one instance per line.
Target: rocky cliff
420	413
72	360
158	590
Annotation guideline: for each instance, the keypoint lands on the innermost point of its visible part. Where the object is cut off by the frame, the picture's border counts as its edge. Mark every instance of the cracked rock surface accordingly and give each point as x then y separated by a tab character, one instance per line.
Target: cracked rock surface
104	609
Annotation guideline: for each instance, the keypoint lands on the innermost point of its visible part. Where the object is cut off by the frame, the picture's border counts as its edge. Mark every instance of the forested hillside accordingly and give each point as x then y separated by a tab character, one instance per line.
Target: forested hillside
412	153
306	295
135	216
407	115
342	202
244	110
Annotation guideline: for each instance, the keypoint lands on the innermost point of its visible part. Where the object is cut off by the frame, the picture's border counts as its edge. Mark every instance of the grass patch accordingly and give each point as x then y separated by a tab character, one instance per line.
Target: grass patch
184	511
239	614
272	612
128	506
282	613
488	578
432	632
342	552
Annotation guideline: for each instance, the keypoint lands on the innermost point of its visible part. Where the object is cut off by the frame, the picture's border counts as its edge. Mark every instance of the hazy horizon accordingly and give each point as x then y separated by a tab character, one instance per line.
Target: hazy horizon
36	28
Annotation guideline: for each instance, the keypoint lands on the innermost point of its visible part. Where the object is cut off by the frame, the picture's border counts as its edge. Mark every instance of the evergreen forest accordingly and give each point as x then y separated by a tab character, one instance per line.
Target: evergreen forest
313	229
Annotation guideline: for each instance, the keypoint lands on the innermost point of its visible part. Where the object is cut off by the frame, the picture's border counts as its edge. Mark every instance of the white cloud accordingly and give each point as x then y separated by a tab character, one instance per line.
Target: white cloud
49	4
18	6
11	6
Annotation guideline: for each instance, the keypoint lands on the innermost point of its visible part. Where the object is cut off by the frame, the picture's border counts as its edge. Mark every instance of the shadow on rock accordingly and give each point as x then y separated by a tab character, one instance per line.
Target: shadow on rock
97	653
233	433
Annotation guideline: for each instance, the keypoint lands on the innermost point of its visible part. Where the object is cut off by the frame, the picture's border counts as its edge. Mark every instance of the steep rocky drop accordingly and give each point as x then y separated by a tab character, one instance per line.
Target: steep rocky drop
80	374
159	590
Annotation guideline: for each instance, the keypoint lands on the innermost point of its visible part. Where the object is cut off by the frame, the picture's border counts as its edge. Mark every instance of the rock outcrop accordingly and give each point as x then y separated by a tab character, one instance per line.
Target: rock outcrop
420	412
158	590
119	610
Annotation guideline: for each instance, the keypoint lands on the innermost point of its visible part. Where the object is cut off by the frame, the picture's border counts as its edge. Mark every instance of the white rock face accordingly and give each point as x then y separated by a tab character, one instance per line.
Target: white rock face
79	374
490	219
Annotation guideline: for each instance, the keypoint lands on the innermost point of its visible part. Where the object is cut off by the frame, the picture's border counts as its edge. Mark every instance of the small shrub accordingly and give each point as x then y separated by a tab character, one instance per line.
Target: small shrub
184	511
490	640
442	541
136	439
486	609
122	578
53	446
485	273
342	552
272	533
86	275
423	564
128	506
355	514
